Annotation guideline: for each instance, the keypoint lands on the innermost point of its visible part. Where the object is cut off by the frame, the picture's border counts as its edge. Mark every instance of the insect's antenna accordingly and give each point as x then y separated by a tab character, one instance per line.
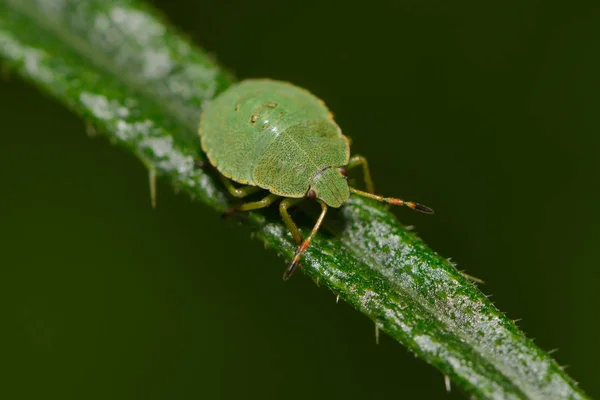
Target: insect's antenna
302	248
393	200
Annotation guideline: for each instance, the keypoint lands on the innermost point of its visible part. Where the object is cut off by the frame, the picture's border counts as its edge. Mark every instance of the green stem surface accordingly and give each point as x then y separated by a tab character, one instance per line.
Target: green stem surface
120	67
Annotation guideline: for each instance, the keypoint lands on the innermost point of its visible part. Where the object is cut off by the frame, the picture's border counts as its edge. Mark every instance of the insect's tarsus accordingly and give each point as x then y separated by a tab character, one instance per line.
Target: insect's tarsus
302	248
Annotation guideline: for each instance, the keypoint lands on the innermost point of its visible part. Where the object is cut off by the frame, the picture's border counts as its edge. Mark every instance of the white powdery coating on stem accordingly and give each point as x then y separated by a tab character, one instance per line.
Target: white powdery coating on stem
168	157
368	298
34	65
478	324
146	32
32	59
430	346
473	320
136	28
156	64
149	136
103	108
137	24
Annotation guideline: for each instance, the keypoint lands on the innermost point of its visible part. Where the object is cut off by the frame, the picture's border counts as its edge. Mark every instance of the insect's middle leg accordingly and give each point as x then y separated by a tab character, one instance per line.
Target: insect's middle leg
240	192
357	160
289	222
253	205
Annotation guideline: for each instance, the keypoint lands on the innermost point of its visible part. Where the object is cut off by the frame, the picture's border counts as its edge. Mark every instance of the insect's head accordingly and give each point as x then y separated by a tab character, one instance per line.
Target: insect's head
330	185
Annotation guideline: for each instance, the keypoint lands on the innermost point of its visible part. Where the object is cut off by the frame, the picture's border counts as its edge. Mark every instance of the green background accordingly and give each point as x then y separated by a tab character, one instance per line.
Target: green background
487	112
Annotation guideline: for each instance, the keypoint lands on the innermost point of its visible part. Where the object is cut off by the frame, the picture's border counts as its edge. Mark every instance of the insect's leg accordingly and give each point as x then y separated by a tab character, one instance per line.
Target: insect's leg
393	200
283	210
238	192
253	205
357	160
234	191
302	248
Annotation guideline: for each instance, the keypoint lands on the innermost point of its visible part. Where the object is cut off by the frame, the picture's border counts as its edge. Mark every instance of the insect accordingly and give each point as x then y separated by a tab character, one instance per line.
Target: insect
267	134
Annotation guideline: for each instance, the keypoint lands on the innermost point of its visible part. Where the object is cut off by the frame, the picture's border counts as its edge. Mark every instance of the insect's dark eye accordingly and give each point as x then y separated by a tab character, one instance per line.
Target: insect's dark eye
343	171
311	194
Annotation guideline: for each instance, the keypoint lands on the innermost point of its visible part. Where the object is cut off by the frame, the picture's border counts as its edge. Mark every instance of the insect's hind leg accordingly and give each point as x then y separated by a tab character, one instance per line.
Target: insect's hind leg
240	192
357	160
287	219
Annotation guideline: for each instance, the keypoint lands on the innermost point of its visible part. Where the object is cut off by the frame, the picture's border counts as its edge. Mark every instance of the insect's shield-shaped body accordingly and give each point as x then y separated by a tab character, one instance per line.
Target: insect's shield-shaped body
279	137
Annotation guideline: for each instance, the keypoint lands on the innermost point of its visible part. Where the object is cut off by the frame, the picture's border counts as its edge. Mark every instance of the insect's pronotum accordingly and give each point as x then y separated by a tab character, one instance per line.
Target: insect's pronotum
272	135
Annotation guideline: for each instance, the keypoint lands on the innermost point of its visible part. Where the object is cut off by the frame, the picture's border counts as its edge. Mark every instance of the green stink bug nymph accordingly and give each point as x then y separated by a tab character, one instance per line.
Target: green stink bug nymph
272	135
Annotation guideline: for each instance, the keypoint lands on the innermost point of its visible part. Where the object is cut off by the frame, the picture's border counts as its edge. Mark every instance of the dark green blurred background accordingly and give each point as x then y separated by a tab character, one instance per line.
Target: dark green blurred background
486	111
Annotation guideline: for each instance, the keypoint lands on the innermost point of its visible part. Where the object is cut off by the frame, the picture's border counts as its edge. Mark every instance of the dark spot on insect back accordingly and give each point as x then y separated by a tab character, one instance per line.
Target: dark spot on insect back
260	111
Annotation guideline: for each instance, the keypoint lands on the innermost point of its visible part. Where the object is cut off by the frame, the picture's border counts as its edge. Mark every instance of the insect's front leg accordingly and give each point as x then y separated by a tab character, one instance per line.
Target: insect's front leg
357	160
302	248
